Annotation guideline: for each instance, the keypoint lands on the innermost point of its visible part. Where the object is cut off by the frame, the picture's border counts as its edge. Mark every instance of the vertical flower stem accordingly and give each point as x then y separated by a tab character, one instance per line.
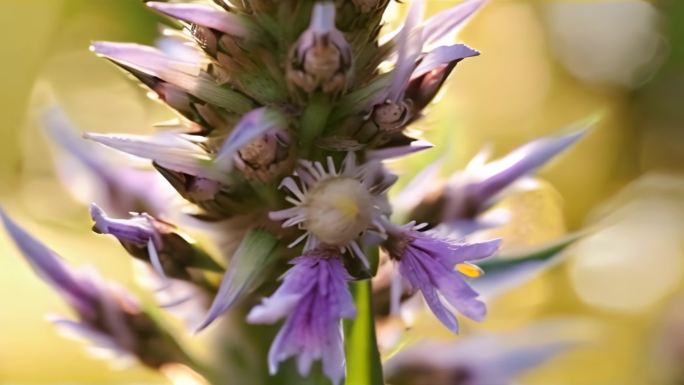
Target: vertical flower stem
363	358
314	120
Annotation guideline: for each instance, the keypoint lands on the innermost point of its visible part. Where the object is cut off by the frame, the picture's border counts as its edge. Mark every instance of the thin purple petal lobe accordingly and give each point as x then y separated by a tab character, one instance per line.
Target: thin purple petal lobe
314	297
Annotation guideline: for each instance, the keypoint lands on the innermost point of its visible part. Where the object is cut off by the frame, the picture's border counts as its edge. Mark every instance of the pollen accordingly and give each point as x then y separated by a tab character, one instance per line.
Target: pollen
469	270
338	210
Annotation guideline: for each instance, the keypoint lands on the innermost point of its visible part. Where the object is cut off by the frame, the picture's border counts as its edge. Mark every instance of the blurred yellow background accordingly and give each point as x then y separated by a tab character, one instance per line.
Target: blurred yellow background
544	65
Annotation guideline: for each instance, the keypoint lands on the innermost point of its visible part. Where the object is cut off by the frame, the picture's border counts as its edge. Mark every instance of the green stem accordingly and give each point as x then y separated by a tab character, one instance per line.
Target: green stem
363	358
314	120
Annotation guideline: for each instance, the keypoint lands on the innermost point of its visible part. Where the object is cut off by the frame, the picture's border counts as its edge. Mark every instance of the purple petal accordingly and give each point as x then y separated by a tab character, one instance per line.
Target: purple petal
119	188
319	286
409	43
273	308
442	27
441	56
426	264
497	175
203	15
459	294
397	152
334	363
137	230
414	272
323	18
50	267
151	61
170	150
466	252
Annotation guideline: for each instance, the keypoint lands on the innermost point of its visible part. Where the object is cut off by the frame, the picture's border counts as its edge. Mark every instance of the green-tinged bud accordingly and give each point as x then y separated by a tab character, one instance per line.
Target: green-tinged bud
321	58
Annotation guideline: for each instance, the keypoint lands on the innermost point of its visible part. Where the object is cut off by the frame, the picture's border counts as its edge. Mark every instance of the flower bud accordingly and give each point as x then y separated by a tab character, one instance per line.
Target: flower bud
390	116
321	58
259	146
156	242
266	157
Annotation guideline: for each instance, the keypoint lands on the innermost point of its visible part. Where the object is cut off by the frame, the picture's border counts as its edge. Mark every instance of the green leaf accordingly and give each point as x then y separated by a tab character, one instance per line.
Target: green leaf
247	266
363	357
509	271
542	252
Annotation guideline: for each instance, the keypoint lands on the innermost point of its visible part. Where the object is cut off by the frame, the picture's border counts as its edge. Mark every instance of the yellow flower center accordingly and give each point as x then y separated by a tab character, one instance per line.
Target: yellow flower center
338	210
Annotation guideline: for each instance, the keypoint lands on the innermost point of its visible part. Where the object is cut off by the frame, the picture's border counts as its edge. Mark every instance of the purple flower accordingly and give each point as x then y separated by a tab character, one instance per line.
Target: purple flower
426	261
108	315
315	298
483	181
337	206
118	187
157	242
459	203
488	359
